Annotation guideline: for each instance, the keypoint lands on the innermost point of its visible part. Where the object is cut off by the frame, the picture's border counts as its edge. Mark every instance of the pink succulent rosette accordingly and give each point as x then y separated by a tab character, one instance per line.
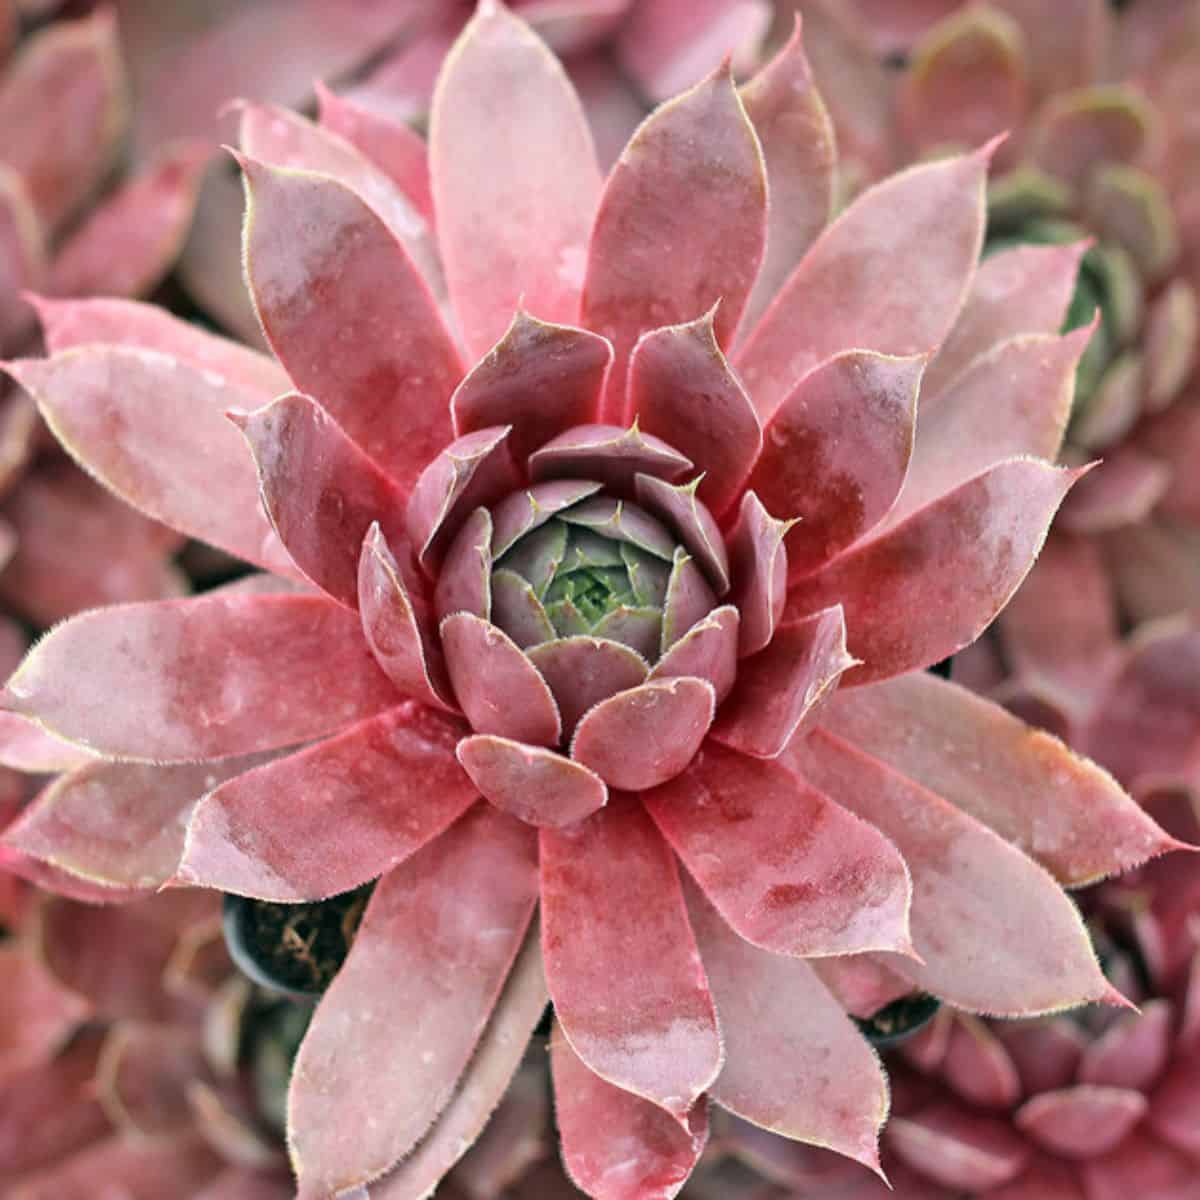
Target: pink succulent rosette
72	224
651	584
1093	1107
1102	144
123	1031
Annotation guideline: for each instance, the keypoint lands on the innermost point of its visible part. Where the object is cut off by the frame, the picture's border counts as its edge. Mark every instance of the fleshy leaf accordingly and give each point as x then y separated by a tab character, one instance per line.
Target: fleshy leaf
320	490
759	569
616	1145
64	109
836	450
582	671
787	868
39	1013
707	651
396	625
399	1023
522	239
131	241
794	1062
626	979
682	389
780	690
692	178
1013	400
325	273
178	459
334	815
996	932
797	139
67	324
473	470
492	1066
924	588
200	678
1022	290
535	785
693	523
539	378
924	225
464	582
1059	808
641	737
497	687
613	455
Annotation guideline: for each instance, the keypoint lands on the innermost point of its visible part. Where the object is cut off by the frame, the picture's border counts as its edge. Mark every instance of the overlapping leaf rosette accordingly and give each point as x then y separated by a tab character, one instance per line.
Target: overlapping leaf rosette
538	631
1103	145
74	222
129	1055
1086	1106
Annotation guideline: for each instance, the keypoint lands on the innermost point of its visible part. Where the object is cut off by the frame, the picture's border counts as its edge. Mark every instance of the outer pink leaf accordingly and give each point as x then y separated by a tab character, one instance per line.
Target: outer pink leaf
284	139
616	1145
496	685
641	737
691	179
326	273
400	1022
1141	1165
201	678
78	546
390	145
1059	808
682	389
541	379
70	323
996	932
37	1013
140	1168
794	1062
320	490
396	625
1013	400
667	44
626	979
178	459
925	226
488	1074
26	747
521	240
780	690
977	1065
1022	290
924	588
63	108
787	868
334	815
131	241
118	825
535	785
797	138
836	450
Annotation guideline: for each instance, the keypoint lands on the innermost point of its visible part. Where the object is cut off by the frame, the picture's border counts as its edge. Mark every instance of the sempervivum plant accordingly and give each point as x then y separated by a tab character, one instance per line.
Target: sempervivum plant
1102	144
1086	1106
543	629
129	1054
72	223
